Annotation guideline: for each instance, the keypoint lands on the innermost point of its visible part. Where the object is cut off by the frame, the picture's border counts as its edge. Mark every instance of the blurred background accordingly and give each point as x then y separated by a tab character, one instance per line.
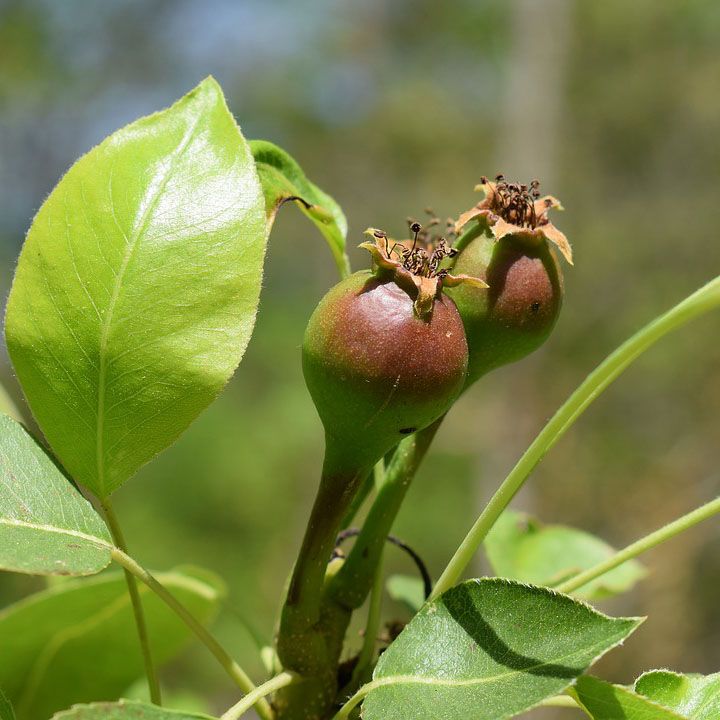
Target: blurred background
392	107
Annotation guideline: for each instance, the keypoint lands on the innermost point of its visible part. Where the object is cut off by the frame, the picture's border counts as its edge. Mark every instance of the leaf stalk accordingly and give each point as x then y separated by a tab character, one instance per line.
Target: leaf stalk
640	546
150	671
238	675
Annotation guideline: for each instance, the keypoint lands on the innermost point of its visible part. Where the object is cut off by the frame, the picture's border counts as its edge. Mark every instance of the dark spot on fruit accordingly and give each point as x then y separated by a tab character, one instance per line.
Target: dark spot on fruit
408	431
535	306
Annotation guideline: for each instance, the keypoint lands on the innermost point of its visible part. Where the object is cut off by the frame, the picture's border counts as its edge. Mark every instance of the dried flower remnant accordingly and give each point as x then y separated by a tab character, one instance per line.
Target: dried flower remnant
516	209
415	265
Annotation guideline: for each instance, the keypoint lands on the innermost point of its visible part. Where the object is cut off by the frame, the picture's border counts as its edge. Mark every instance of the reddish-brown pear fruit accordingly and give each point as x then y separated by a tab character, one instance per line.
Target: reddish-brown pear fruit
512	252
516	314
384	353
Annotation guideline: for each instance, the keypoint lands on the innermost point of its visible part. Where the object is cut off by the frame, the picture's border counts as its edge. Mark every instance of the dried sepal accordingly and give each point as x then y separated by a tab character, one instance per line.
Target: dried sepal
482	215
455	280
515	209
415	269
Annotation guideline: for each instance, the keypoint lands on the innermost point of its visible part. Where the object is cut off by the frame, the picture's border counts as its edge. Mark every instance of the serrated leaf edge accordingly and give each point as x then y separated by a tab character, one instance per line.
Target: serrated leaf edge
657	670
629	692
682	676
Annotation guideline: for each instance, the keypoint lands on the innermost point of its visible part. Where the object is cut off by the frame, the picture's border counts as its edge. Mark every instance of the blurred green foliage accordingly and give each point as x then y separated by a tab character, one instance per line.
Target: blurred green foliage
392	107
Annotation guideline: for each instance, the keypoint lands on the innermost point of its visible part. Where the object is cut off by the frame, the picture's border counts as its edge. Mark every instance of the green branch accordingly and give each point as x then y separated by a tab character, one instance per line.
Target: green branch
352	583
701	301
364	661
640	546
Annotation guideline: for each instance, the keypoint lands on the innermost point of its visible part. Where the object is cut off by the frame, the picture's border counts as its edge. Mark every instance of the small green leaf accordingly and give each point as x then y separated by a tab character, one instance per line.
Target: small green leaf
125	710
6	711
77	642
489	649
136	290
694	696
46	526
604	701
406	590
522	548
283	180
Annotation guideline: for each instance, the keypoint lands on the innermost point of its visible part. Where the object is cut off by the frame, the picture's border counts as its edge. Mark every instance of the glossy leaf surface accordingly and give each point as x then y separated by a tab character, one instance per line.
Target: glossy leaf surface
489	649
46	526
694	696
604	701
124	710
136	290
522	548
77	641
284	180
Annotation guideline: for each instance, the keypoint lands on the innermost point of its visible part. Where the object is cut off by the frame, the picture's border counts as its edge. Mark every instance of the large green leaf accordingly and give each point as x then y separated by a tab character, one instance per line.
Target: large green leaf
694	696
124	710
46	526
489	649
522	548
77	642
136	291
6	711
604	701
283	180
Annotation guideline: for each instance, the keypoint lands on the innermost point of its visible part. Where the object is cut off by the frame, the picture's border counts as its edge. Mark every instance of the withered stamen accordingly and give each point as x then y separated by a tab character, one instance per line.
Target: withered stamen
421	261
515	202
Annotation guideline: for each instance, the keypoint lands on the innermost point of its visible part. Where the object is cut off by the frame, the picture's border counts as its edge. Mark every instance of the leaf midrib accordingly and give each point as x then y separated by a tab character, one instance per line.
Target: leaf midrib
424	680
60	531
129	249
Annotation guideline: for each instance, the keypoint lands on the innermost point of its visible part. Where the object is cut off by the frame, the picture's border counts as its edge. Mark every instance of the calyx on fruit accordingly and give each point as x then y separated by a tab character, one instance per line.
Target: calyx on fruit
518	210
513	252
414	268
